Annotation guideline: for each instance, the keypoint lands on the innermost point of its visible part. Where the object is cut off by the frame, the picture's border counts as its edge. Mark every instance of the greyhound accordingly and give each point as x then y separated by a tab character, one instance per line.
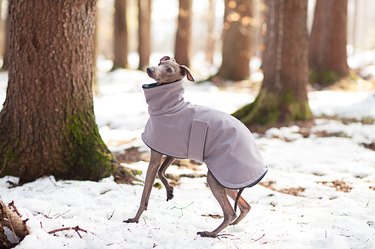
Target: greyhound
168	74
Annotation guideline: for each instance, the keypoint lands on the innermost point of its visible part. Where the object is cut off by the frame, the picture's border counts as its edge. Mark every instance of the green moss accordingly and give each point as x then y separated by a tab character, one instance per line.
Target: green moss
87	154
158	185
296	110
367	120
9	155
126	175
353	75
243	111
269	109
264	110
324	78
299	111
7	158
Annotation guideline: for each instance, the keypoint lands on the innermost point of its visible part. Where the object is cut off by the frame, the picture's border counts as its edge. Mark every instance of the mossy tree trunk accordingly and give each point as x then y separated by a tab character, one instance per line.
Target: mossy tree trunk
236	50
327	51
283	95
47	125
144	33
120	36
182	47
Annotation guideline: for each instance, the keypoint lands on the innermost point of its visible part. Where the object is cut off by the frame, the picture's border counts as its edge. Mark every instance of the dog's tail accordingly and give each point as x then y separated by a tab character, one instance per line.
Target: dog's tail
238	197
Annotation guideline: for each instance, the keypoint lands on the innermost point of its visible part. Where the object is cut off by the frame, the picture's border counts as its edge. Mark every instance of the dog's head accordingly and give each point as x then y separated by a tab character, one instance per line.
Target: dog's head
169	71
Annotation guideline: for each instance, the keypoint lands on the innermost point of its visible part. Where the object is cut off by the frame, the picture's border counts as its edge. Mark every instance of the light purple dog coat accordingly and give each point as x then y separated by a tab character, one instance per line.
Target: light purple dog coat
182	130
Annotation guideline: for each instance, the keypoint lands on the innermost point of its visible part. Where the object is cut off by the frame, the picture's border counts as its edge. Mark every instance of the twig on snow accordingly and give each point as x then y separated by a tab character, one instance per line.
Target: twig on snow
224	235
76	229
110	217
59	215
259	238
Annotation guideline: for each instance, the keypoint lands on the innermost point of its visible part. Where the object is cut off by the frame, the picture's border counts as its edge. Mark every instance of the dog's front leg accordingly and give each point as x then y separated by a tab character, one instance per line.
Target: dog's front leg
153	168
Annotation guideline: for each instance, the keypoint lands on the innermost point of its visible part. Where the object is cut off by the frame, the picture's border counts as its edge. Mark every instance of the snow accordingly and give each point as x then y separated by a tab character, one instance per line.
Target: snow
355	105
320	216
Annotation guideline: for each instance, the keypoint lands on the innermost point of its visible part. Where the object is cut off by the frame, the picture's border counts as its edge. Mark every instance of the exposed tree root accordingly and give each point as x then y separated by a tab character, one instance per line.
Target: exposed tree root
11	219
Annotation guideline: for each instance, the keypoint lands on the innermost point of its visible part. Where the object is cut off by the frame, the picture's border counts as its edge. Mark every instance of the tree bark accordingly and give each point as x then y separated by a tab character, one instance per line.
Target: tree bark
182	46
120	36
144	33
236	51
283	95
327	51
47	125
95	86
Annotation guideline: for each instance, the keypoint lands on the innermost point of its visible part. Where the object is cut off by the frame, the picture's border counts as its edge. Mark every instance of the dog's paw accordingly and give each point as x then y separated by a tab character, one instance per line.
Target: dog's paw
207	234
131	220
170	194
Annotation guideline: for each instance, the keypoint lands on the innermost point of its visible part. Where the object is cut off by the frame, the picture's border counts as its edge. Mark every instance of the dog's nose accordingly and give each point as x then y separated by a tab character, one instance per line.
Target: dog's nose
148	70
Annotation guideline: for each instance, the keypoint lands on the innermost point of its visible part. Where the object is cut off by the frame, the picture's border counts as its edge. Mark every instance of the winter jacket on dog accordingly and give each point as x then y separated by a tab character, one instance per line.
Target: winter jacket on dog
183	130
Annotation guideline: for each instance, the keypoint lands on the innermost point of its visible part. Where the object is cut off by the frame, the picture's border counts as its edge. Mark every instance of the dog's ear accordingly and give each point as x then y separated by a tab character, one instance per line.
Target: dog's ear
185	71
165	58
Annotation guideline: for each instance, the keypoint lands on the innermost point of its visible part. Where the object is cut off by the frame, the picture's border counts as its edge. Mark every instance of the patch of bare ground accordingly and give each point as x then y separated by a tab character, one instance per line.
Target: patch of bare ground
290	191
213	216
338	185
370	146
133	154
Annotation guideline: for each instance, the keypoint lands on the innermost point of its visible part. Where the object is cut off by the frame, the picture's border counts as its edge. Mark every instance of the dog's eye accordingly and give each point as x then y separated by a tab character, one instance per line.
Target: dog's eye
169	70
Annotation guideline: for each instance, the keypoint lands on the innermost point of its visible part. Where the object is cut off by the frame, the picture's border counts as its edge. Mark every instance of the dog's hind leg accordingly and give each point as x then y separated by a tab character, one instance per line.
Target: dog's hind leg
153	168
161	173
221	196
242	204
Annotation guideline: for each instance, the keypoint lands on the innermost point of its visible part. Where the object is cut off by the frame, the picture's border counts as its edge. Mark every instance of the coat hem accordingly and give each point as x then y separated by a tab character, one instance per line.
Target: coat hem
247	184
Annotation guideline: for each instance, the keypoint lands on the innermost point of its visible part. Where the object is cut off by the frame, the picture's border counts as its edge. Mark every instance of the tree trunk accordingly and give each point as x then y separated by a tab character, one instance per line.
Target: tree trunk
5	65
120	36
182	45
327	51
47	125
95	86
283	95
236	40
144	33
210	43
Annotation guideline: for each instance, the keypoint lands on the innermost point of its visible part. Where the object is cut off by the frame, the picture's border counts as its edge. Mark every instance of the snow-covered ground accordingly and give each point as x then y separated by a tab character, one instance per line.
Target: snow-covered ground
333	179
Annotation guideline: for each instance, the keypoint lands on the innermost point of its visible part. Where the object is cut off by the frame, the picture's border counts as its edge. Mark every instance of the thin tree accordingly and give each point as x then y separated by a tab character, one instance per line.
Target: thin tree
182	47
144	33
210	43
283	95
236	51
47	124
327	51
120	36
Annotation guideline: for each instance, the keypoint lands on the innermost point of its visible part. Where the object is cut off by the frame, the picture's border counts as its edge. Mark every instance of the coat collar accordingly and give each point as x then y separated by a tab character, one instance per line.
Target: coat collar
163	98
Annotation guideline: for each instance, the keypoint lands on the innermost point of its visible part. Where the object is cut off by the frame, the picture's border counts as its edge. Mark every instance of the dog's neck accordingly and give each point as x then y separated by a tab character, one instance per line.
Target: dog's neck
164	98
